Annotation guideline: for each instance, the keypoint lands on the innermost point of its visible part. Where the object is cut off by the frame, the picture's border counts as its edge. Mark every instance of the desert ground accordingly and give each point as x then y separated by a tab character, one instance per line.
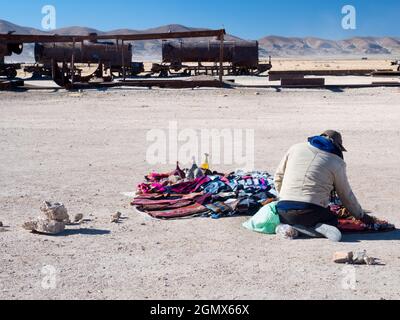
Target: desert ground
331	64
87	149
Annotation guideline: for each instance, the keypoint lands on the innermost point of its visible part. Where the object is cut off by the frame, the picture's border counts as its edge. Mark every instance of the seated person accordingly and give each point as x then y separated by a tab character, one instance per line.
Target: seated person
305	180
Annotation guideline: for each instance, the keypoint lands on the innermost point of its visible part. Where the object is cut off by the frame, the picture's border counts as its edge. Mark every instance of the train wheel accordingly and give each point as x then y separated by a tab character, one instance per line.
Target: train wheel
61	76
11	74
36	75
163	74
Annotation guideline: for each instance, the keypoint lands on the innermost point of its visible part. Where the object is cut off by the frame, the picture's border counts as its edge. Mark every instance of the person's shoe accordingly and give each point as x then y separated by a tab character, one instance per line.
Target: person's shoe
287	232
330	232
309	232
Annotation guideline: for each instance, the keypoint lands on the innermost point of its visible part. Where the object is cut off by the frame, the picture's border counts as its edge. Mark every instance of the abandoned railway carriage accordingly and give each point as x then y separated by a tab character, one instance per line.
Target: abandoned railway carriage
242	57
116	58
242	54
61	60
107	53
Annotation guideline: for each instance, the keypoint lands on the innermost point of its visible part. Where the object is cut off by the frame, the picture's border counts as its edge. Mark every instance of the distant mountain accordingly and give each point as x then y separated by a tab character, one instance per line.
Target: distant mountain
281	46
79	31
275	46
6	27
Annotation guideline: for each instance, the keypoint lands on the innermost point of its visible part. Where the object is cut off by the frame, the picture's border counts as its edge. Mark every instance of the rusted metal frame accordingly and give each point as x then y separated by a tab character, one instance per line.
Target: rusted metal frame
73	63
117	46
123	61
173	84
82	48
166	35
318	82
11	84
345	72
221	59
53	66
13	38
386	74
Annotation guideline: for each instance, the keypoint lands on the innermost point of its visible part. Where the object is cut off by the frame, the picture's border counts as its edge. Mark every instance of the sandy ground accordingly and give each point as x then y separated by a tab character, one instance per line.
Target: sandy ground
282	64
86	149
312	63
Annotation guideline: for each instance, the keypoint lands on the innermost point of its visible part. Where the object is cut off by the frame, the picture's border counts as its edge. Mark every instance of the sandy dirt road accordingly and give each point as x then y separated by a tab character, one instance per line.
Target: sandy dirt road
86	149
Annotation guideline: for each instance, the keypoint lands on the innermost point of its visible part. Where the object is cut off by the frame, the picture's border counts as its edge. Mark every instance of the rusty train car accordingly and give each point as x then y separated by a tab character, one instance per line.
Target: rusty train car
242	58
109	56
178	59
9	70
107	53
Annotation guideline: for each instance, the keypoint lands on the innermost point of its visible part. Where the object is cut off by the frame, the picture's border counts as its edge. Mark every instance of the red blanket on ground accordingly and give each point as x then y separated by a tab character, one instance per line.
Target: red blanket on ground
348	224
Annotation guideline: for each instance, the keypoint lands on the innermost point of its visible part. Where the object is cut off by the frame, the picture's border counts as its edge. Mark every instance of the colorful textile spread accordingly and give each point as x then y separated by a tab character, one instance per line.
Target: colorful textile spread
349	224
199	192
181	212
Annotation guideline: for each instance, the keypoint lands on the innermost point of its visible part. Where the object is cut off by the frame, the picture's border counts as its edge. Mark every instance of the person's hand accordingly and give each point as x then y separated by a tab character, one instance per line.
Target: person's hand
368	220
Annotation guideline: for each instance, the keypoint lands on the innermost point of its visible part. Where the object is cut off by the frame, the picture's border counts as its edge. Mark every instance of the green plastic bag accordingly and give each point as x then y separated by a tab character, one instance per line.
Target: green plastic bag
265	221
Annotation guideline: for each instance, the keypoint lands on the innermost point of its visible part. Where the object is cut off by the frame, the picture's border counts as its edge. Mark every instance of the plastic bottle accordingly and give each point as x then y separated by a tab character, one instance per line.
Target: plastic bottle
206	164
192	172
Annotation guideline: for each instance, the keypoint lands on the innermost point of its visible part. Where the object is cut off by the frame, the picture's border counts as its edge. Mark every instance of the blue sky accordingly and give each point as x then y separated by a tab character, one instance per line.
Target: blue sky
249	19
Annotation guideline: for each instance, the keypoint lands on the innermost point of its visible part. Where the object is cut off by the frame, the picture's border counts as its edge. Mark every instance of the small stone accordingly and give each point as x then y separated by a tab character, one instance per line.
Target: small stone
343	257
55	211
115	217
360	257
1	224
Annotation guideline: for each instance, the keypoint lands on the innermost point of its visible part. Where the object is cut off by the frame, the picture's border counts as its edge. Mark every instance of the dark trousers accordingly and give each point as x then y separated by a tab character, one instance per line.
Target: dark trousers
308	218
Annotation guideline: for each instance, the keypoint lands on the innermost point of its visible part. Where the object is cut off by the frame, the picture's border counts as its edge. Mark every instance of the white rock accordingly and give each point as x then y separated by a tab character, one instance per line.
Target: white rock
115	217
45	226
55	211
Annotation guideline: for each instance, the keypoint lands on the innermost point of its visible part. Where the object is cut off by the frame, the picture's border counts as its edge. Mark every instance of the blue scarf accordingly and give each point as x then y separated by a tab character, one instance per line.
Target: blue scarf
326	145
